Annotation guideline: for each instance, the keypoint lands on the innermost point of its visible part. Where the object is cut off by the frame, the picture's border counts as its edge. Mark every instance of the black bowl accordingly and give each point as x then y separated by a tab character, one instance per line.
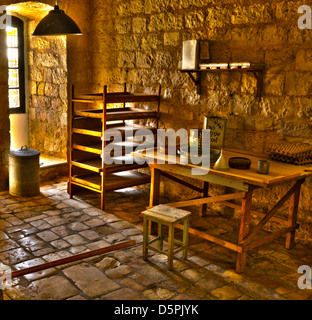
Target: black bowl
240	163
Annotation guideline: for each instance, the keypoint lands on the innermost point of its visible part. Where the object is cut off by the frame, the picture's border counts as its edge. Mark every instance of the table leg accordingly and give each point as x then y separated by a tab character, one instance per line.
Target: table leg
155	184
170	246
103	200
203	208
154	194
161	236
292	219
145	237
185	238
244	230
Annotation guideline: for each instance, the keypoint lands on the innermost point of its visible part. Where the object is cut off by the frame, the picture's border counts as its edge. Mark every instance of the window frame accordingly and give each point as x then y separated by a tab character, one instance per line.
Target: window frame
19	24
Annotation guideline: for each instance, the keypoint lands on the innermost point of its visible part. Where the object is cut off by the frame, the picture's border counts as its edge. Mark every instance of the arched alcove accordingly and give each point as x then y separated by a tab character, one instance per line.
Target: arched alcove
31	10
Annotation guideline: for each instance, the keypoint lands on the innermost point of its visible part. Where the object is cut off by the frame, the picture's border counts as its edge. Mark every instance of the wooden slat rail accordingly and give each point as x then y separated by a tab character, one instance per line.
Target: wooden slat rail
89	254
292	216
270	214
184	183
211	238
271	237
254	212
200	201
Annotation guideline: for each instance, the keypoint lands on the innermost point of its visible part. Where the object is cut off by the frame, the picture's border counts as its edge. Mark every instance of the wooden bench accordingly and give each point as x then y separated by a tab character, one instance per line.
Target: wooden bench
165	216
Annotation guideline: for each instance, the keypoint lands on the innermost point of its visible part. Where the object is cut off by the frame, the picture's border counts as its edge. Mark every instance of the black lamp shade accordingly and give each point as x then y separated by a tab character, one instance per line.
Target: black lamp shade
57	23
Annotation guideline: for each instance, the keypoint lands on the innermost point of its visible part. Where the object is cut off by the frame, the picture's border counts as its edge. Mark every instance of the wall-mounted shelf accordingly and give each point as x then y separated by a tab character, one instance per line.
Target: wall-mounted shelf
195	75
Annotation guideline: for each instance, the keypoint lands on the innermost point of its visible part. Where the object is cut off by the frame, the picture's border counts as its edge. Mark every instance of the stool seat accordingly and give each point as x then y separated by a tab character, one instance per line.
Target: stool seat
168	216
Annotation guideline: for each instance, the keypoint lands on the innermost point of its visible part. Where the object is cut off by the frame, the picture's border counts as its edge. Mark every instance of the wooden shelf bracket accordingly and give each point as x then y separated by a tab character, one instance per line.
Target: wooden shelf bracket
195	75
196	79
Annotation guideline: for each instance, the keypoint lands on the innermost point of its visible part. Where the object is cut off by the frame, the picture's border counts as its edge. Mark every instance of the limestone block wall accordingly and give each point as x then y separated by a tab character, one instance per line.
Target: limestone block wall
48	101
140	42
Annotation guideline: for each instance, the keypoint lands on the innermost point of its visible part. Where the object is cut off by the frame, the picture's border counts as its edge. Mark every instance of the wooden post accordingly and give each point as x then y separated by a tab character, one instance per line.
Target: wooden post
161	236
227	210
155	185
203	208
170	246
244	230
154	194
145	237
103	171
292	218
158	110
185	237
125	91
71	123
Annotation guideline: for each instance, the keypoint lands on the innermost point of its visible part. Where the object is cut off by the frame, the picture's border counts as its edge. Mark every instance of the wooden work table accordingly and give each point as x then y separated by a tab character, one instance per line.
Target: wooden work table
244	182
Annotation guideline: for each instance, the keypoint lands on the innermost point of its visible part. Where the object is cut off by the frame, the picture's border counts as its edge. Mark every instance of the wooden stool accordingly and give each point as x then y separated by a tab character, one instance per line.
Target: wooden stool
168	216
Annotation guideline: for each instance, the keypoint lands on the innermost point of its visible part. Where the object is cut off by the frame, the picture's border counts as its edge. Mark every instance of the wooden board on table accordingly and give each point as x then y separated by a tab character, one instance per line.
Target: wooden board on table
279	172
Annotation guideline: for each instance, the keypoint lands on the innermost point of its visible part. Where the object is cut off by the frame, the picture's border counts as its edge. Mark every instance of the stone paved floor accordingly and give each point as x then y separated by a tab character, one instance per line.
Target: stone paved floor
51	226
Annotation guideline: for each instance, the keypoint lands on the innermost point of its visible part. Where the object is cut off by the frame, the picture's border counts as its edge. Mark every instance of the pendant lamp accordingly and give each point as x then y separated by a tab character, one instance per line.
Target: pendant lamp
57	23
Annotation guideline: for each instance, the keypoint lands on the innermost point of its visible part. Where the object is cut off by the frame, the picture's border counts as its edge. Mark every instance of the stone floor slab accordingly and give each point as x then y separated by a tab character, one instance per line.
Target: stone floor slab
91	280
51	226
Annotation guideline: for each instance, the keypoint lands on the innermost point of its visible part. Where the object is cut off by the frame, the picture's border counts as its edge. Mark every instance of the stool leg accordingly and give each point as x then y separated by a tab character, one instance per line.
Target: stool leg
170	246
161	237
185	238
145	238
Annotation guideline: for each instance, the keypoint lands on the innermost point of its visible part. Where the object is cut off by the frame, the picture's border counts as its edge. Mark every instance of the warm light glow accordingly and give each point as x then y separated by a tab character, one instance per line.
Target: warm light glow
13	57
12	44
14	98
33	11
12	37
13	78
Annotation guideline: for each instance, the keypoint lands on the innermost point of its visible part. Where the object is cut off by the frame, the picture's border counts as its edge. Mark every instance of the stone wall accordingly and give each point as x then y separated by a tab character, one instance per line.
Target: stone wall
48	101
140	42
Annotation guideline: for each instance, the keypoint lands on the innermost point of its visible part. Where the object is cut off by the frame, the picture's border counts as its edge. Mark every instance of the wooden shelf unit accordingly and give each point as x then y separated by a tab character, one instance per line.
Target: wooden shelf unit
88	168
